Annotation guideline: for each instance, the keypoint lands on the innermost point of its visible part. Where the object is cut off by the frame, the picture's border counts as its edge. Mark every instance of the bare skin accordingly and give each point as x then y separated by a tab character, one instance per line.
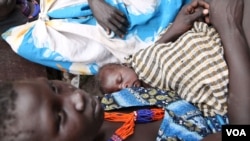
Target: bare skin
60	109
6	7
118	77
115	79
185	19
246	21
237	55
49	101
64	112
110	18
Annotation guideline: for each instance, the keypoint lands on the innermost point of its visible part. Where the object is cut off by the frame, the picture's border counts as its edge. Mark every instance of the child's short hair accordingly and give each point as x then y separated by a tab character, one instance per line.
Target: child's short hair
7	108
107	67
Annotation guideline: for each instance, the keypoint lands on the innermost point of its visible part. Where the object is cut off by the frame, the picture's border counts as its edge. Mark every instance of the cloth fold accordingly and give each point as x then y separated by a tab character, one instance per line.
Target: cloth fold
194	66
67	37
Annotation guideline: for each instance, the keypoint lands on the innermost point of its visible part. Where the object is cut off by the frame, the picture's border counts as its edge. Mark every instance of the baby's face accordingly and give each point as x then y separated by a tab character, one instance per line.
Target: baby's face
119	78
56	111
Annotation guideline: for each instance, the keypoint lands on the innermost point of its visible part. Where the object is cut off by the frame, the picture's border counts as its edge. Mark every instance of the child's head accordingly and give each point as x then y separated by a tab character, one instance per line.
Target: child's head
114	77
43	110
6	7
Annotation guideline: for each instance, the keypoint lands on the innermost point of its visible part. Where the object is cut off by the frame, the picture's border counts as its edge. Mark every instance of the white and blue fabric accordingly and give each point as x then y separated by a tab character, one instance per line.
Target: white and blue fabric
67	37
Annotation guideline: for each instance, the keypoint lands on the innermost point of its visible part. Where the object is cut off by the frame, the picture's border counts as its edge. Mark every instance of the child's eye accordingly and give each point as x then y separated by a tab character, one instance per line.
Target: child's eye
53	87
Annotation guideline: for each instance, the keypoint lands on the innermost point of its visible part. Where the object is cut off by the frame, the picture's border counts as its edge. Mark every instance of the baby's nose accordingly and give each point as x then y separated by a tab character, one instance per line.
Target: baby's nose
125	85
77	100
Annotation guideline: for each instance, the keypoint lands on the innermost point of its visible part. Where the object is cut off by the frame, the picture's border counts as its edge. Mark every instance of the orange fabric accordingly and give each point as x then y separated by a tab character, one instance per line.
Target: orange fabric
129	119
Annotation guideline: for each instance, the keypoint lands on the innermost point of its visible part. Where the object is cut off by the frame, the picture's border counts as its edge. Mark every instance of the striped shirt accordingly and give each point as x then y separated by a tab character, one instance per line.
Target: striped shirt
193	66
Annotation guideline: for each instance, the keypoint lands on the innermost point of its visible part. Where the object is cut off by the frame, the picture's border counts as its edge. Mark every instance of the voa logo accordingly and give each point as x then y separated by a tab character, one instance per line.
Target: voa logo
236	132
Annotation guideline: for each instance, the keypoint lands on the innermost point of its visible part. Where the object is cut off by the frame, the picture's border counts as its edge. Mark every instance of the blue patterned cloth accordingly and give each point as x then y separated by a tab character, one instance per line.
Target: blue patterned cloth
182	120
67	37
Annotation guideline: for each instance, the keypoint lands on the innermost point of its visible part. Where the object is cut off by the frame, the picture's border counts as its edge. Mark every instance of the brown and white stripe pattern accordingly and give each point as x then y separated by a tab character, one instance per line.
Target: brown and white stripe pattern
193	66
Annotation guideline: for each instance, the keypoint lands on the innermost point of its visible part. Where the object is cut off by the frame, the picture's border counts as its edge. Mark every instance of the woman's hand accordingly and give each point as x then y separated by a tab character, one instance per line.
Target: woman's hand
196	10
110	18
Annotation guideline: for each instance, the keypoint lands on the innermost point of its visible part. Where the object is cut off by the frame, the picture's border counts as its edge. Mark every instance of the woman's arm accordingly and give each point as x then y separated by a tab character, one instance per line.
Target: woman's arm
226	16
110	18
183	22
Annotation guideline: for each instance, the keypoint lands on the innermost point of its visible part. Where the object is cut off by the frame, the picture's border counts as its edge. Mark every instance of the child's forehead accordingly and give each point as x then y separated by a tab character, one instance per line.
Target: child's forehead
118	67
30	93
31	104
109	69
27	93
28	85
36	82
